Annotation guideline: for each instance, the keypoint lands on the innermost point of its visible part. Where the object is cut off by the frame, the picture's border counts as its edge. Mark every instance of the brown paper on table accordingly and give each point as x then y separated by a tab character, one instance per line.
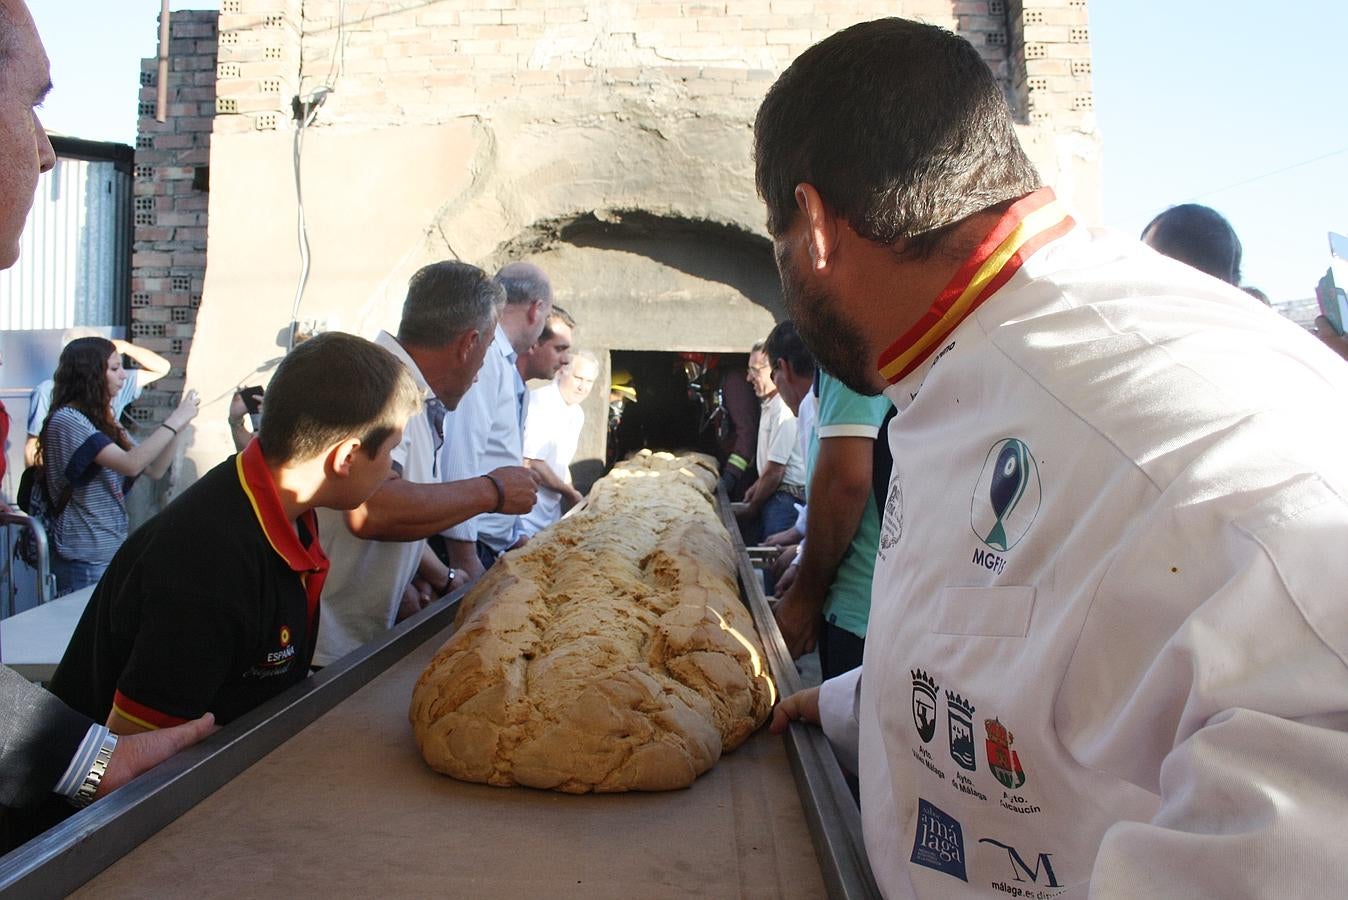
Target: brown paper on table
348	808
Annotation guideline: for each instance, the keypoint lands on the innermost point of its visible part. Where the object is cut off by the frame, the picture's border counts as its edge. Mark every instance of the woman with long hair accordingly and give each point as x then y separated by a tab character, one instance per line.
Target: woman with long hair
90	460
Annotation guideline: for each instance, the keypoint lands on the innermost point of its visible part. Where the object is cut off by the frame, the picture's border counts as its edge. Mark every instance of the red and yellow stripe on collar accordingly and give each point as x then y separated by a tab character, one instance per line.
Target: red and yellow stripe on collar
1027	225
310	561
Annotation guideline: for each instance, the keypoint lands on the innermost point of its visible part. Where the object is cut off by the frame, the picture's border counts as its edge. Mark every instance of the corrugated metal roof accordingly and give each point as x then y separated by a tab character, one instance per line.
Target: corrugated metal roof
75	254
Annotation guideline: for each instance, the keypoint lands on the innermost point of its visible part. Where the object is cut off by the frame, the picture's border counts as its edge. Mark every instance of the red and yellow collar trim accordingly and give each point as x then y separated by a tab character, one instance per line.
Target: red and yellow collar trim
1027	225
256	481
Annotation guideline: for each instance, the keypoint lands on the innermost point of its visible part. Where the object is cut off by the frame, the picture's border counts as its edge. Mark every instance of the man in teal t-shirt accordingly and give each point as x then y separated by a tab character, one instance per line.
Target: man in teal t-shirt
830	601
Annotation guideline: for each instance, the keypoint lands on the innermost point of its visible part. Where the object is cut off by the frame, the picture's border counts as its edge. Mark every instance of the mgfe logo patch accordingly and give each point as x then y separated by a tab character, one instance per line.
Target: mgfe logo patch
1005	502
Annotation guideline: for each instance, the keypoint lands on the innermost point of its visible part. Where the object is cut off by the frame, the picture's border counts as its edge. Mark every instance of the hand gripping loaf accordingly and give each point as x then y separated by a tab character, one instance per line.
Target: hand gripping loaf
612	653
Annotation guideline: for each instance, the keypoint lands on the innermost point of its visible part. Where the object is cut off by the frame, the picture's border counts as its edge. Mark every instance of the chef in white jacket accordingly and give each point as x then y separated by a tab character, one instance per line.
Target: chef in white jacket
1108	630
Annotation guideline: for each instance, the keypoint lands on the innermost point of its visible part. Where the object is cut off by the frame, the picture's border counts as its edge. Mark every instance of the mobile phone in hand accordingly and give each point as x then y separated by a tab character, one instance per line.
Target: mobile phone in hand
252	401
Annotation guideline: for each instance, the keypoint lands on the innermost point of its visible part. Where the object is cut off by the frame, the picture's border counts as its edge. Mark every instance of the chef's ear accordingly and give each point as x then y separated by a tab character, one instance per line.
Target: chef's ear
821	225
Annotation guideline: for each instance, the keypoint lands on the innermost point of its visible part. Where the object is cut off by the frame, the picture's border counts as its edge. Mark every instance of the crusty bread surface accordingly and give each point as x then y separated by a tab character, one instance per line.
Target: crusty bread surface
611	653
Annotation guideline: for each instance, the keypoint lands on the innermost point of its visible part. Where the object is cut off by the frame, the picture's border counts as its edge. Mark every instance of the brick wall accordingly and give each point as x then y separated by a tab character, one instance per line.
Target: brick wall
1050	62
500	124
169	253
396	62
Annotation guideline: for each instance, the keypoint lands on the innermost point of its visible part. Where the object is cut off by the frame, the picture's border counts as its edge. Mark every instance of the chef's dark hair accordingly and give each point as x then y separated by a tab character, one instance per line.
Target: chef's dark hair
900	126
1197	236
784	342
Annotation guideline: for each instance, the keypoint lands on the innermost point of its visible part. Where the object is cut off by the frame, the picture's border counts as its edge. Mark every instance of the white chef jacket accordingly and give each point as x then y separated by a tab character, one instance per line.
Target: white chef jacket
366	579
1113	560
485	432
551	432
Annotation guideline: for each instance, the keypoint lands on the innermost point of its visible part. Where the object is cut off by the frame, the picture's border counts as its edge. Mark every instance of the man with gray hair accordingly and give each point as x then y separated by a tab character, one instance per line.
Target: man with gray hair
448	320
488	427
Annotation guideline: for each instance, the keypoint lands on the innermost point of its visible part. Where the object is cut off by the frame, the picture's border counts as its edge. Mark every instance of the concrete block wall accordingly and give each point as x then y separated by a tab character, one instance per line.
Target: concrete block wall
1050	61
394	62
170	204
258	63
490	130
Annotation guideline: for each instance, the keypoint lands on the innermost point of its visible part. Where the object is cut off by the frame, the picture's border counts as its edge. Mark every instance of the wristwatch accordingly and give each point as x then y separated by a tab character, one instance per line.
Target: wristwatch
85	795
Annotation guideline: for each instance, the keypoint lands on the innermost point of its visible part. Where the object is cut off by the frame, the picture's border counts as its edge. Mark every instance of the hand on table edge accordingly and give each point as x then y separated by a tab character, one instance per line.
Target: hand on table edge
137	753
801	706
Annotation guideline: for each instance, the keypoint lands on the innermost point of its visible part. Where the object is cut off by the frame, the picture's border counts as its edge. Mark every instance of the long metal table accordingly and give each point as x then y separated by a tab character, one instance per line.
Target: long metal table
322	791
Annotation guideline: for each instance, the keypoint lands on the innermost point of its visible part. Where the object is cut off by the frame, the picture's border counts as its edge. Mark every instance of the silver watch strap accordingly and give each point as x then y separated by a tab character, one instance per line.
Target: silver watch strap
85	795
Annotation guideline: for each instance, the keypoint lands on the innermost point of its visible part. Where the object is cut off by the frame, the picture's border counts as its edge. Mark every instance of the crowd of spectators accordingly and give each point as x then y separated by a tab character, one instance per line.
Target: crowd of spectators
307	542
1152	597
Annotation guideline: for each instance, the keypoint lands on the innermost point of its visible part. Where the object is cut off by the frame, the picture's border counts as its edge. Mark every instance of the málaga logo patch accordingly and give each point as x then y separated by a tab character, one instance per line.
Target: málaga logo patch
938	842
1006	499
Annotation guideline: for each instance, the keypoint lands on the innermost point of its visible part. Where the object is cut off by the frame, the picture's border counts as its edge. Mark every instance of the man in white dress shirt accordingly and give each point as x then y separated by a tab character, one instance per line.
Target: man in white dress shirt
551	432
487	429
1108	650
447	324
771	500
551	351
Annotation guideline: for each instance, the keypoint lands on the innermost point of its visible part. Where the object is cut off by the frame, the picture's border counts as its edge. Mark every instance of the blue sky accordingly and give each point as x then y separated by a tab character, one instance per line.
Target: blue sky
1227	104
1236	105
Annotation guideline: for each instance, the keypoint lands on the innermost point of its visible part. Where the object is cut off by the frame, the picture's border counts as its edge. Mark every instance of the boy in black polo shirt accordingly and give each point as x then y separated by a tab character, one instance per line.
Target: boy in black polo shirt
213	603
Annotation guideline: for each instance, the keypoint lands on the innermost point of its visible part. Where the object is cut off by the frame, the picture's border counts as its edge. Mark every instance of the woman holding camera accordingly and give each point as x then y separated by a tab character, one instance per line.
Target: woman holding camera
90	461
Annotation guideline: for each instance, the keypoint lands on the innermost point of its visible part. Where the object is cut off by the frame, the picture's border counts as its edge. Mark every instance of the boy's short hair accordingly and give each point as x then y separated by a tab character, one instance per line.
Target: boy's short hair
332	387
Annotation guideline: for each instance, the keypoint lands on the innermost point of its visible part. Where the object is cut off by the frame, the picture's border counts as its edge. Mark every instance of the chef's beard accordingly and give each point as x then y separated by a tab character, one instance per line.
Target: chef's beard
837	344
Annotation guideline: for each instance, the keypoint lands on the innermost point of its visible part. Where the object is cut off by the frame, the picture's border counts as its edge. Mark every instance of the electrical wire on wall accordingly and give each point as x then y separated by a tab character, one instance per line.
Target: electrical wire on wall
306	108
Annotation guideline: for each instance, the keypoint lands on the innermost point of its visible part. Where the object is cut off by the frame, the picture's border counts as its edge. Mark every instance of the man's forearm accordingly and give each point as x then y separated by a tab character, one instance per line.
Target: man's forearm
431	569
41	734
842	474
407	511
769	480
547	476
239	434
463	555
